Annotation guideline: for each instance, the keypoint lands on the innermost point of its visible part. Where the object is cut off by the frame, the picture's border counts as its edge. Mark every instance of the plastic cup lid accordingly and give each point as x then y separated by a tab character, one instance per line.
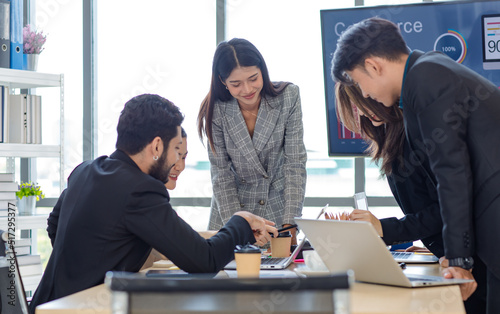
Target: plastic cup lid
247	248
284	234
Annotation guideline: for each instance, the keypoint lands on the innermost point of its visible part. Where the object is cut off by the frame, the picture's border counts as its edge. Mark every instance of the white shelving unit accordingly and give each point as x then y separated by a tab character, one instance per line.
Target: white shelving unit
29	79
19	79
29	150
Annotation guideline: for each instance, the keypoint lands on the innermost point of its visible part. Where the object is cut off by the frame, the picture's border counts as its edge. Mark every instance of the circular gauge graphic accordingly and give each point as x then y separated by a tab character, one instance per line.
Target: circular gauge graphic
452	44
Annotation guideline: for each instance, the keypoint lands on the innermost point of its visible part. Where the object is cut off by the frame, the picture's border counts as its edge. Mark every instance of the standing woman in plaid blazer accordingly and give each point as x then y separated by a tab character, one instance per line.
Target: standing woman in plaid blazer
255	138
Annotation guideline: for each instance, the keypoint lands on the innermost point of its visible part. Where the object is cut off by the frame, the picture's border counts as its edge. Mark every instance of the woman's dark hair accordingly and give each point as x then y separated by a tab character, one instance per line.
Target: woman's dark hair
370	37
145	117
228	56
385	141
183	133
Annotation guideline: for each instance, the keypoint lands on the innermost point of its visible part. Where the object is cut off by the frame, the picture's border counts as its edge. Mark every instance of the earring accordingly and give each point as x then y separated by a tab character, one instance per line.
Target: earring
155	158
227	88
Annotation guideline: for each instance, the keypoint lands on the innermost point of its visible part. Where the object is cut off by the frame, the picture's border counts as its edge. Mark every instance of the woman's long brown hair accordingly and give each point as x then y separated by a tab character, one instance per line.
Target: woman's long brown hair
385	142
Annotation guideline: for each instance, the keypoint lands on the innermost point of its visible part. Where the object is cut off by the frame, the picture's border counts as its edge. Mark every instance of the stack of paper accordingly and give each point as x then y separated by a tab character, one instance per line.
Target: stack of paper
31	270
8	190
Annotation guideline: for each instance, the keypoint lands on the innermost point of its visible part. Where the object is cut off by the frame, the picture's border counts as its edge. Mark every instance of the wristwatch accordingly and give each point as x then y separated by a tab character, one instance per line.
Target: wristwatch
462	262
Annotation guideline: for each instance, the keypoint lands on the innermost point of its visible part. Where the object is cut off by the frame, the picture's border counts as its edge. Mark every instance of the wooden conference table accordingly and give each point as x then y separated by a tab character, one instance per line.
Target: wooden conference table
364	298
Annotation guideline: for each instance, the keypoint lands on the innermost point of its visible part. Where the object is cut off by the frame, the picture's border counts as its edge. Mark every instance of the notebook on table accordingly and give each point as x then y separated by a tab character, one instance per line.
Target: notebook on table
344	245
361	202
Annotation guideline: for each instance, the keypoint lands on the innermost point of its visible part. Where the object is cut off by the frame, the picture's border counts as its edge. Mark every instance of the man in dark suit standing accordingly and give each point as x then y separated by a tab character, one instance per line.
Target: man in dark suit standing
452	118
116	208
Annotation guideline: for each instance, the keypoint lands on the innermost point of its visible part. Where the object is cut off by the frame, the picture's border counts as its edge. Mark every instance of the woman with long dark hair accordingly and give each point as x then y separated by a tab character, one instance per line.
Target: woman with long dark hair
255	138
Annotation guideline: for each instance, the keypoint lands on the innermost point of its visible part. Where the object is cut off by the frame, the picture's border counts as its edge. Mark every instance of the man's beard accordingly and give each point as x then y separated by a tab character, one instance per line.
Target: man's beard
159	170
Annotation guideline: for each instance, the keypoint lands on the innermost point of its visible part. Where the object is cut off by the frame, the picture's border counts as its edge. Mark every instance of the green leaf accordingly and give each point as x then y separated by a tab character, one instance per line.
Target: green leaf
29	189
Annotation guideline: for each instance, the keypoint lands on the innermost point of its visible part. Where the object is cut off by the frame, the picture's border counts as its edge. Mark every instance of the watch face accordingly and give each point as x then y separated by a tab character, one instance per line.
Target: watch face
469	262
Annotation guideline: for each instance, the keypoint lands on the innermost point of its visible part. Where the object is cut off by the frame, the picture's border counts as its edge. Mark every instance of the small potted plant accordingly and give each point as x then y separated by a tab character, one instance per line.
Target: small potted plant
33	42
27	196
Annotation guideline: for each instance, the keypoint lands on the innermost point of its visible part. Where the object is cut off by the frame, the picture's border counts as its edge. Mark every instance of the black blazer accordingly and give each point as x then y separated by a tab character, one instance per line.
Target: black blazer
452	118
109	218
415	191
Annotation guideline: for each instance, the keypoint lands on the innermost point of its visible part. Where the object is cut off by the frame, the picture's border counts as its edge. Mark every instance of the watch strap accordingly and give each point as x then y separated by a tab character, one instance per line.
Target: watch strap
462	262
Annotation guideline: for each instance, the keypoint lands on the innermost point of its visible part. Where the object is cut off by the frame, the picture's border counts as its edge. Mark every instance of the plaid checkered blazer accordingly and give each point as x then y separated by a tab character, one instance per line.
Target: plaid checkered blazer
264	174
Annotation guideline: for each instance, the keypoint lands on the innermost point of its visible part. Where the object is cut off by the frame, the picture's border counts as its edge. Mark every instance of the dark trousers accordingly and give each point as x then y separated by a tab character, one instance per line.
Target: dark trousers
493	294
486	298
476	303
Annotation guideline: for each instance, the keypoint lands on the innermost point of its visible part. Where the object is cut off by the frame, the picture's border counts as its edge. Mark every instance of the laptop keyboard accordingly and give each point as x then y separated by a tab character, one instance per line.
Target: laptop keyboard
401	255
272	260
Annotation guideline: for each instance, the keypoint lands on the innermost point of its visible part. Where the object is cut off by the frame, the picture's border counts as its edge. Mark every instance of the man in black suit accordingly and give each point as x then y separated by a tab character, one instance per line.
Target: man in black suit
116	208
452	118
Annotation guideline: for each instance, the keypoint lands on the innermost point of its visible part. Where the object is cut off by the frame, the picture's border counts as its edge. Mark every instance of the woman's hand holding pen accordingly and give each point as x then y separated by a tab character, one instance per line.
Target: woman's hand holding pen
262	228
365	215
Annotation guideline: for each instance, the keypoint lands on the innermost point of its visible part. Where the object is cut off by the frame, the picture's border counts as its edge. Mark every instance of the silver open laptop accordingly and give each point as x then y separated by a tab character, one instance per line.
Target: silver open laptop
267	262
344	245
361	202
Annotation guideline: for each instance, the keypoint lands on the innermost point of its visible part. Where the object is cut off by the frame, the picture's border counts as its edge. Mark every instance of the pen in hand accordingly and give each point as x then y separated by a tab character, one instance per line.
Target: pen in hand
295	225
287	228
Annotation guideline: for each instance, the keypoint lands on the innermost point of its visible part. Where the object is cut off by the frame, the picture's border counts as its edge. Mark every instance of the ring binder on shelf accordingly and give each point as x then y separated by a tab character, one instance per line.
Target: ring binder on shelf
16	34
4	34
